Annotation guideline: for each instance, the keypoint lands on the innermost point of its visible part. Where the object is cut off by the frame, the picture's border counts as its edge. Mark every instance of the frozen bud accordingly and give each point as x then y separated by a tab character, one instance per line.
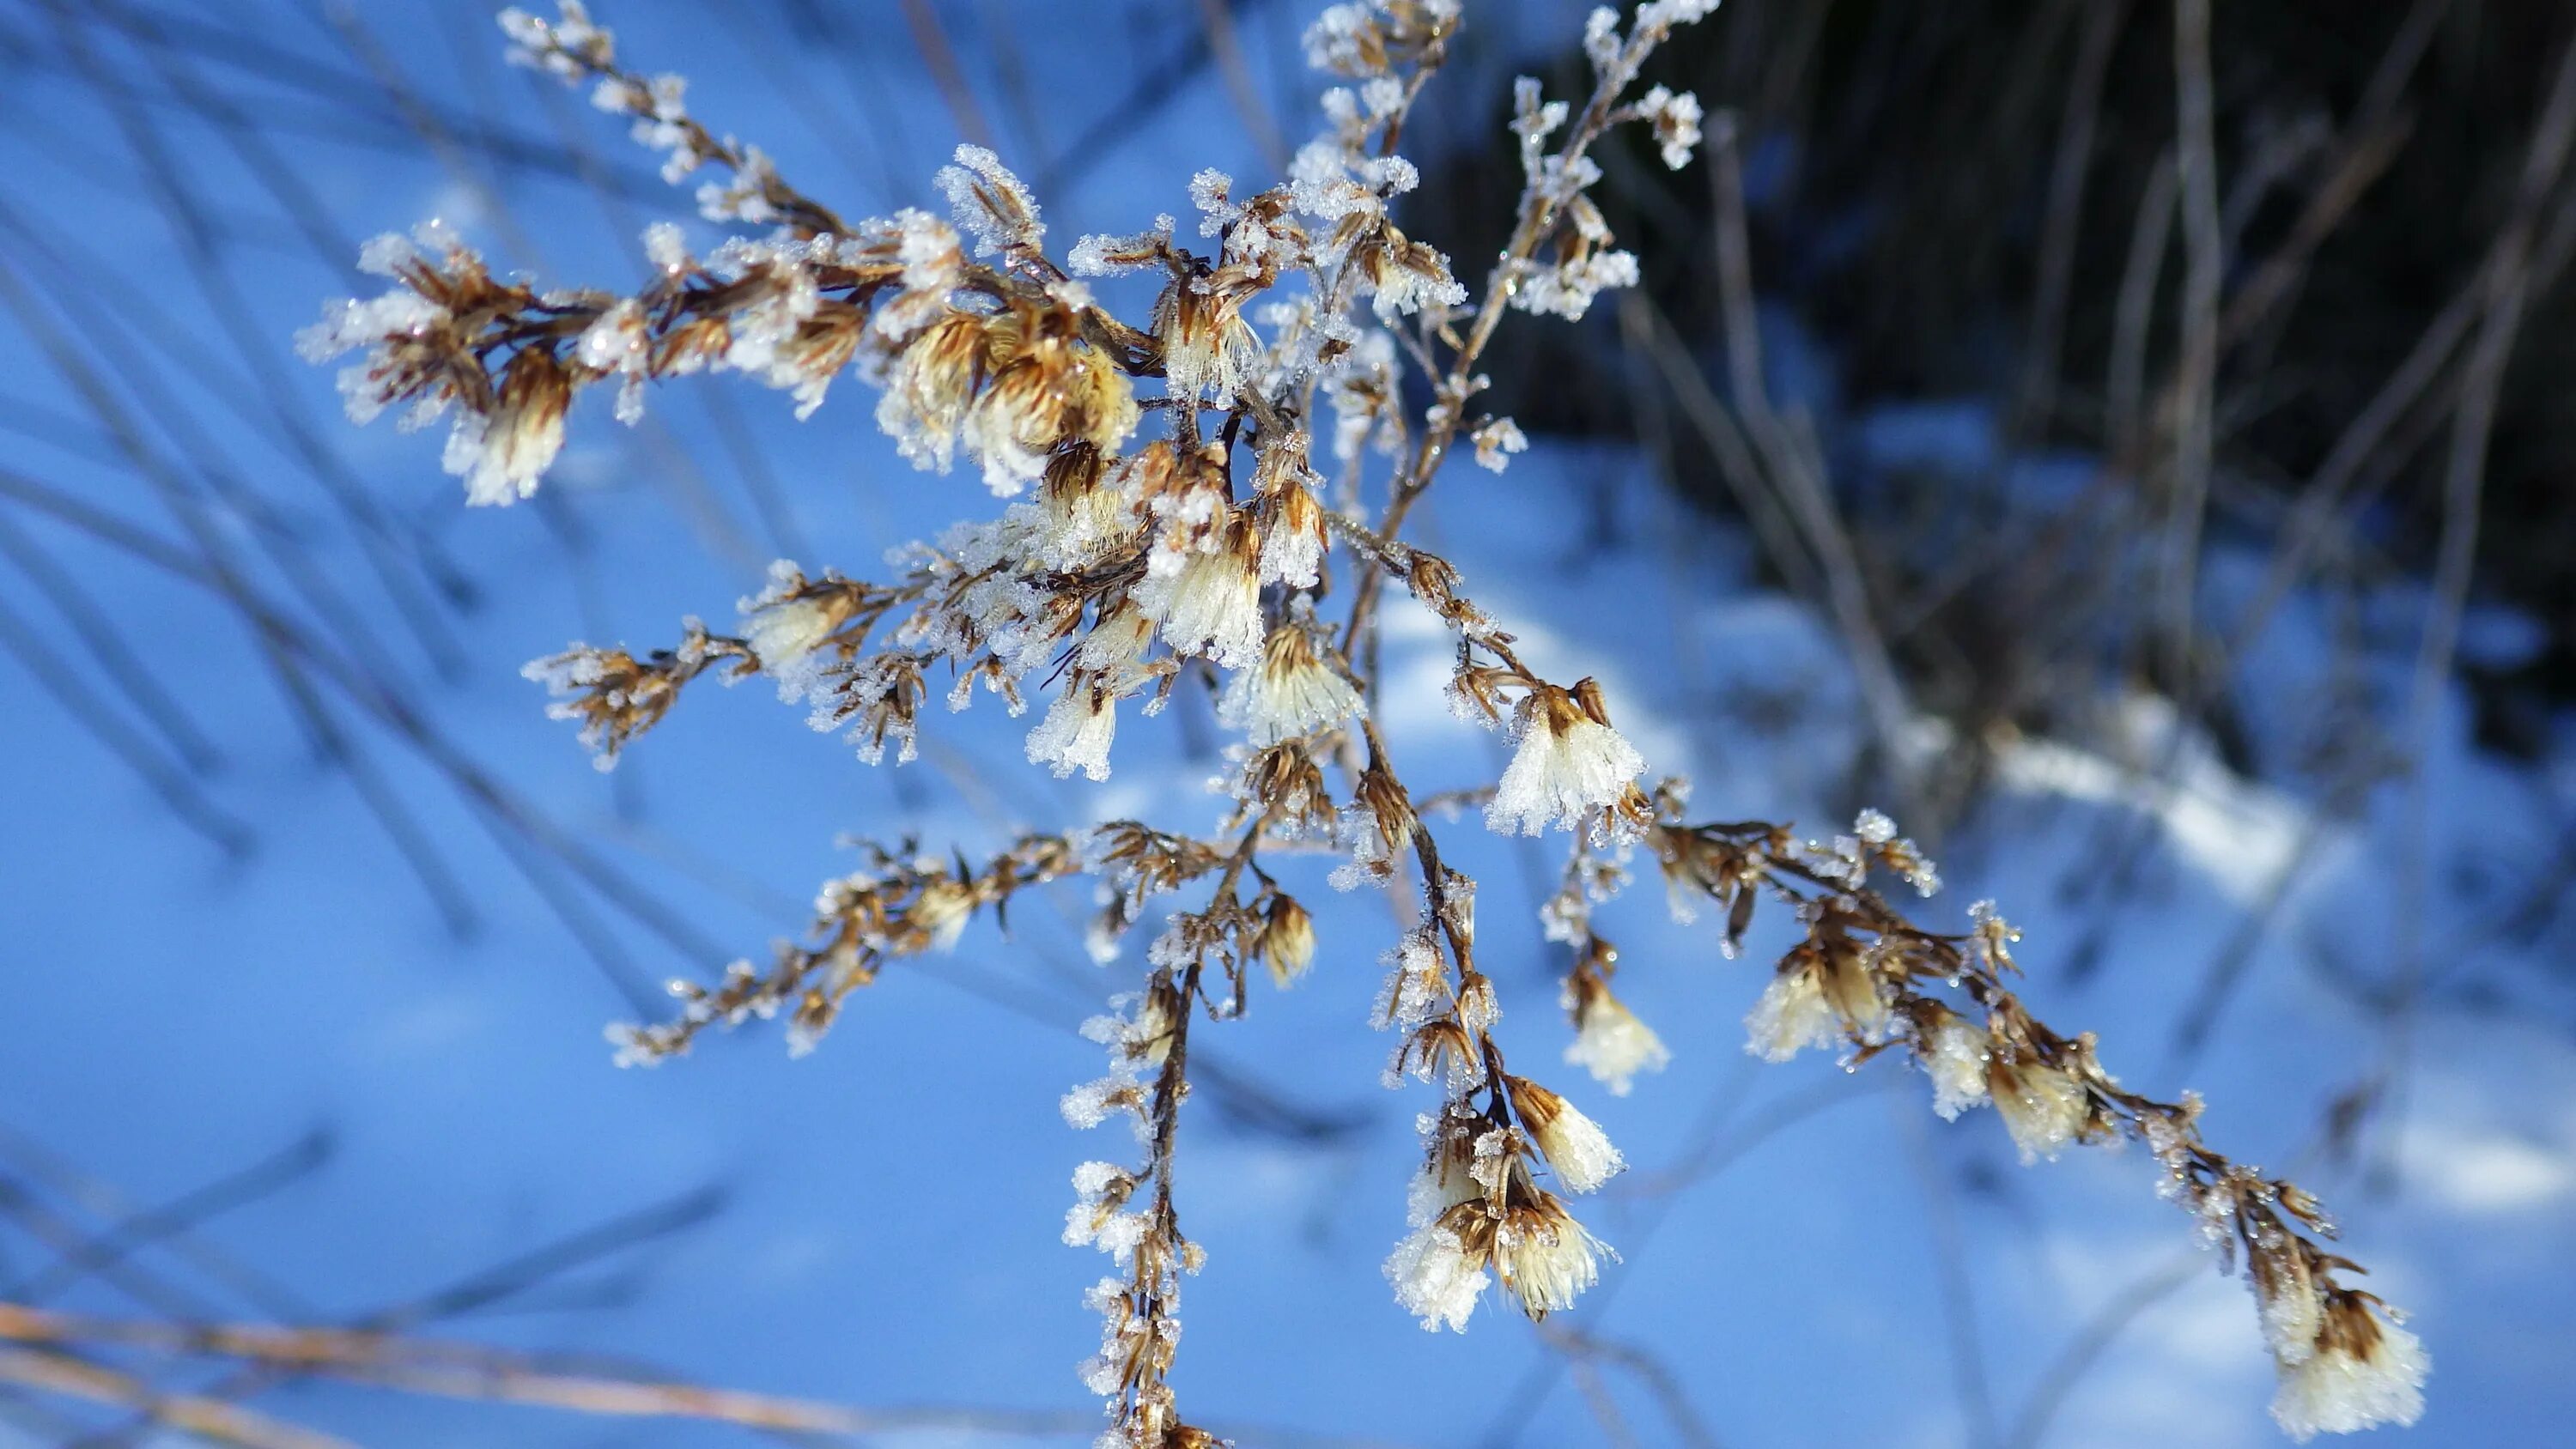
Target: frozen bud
785	623
1448	1178
2363	1371
1387	807
1053	391
1211	604
1437	1277
1207	346
1101	1190
1083	518
1609	1041
1287	940
1496	441
1365	40
1076	732
939	914
1479	1009
616	341
1292	539
1413	986
1435	583
932	383
1292	692
2286	1291
1570	763
502	455
1601	39
1676	119
1954	1055
989	202
1544	1256
1108	256
1793	1014
2042	1107
1575	1145
1405	275
1116	642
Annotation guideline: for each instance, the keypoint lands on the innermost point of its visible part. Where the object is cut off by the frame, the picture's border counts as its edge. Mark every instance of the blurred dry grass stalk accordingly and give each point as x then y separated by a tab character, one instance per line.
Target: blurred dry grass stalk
1285	467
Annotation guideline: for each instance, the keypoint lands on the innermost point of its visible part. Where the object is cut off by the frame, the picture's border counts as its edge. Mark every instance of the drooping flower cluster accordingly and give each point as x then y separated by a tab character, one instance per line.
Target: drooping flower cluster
1864	976
897	904
1124	569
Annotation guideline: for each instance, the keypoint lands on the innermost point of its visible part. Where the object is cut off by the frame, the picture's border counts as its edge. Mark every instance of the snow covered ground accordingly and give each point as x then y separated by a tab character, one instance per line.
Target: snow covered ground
1810	1257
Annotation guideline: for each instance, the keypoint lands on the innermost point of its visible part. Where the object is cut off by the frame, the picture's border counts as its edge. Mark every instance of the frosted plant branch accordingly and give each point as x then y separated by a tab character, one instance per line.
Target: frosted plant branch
1109	569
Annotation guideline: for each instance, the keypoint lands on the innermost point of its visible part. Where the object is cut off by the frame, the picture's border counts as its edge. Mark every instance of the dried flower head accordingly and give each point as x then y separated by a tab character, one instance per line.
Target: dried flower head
1570	770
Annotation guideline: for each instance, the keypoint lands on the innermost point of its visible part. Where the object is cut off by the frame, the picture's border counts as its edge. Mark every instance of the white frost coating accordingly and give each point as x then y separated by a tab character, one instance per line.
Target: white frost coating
615	341
1957	1066
1791	1015
666	246
1412	990
2043	1108
1283	698
1076	732
1404	290
502	455
1496	442
1580	1152
1676	119
1436	1189
2336	1392
785	631
1100	255
1614	1046
1211	192
1210	606
1667	13
2292	1313
1567	766
1550	1263
1435	1278
1567	290
1601	37
989	202
385	253
1291	556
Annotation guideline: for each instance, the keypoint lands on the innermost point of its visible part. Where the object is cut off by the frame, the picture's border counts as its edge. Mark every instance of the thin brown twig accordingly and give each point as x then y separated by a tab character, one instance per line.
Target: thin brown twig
2195	385
2063	219
1793	469
930	39
1225	43
2455	557
200	1417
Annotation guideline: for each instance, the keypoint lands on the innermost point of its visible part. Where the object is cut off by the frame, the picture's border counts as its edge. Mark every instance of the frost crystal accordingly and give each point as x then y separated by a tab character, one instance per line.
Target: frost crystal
2042	1107
1791	1015
1575	1146
1076	732
1435	1277
1211	605
1957	1066
1676	119
1568	765
1548	1260
989	202
1496	441
1413	984
1613	1045
1291	693
2340	1390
